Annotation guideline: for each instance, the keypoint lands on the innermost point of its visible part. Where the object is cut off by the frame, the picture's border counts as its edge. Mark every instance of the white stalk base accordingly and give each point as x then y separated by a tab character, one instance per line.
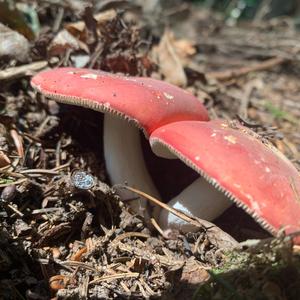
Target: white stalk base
125	162
200	199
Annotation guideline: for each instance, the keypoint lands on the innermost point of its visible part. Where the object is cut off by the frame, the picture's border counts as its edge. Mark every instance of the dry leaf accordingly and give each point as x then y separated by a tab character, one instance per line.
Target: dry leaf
193	273
168	60
78	29
63	41
184	48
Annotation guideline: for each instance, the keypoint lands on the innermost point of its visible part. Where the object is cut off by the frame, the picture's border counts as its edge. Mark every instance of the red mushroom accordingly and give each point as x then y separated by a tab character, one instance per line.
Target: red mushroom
240	164
143	102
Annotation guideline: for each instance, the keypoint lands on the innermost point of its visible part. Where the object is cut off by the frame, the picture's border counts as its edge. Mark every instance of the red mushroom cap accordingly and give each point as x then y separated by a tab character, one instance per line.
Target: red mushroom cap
149	103
249	170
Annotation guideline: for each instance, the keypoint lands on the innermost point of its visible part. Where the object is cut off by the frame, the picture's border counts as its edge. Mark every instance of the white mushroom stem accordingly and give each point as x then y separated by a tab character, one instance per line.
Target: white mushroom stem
200	199
125	162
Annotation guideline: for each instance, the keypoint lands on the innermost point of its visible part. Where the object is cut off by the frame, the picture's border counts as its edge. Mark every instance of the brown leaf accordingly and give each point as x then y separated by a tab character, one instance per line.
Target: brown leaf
220	238
184	48
77	256
193	273
168	60
63	41
79	30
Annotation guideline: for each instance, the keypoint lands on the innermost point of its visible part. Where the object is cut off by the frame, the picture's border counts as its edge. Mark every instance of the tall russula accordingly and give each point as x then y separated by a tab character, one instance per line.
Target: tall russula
240	164
144	103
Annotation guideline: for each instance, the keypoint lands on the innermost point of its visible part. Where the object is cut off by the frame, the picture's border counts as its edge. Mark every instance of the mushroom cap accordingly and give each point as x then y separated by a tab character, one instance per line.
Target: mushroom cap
248	169
147	102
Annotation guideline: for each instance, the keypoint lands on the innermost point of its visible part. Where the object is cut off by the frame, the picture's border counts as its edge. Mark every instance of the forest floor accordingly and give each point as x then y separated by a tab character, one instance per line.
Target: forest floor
61	242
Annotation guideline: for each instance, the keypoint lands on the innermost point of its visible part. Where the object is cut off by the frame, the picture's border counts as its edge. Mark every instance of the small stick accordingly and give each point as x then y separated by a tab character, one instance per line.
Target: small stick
15	182
15	210
229	74
20	71
156	226
129	234
115	276
38	171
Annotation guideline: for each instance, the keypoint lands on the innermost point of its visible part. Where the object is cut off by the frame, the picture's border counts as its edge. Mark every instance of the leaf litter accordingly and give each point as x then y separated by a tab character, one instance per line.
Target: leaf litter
63	231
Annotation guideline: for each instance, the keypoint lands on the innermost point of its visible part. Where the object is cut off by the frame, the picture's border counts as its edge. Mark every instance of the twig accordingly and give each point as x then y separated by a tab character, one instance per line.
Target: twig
229	74
15	210
21	71
40	130
67	164
246	123
156	226
38	171
115	276
13	183
129	234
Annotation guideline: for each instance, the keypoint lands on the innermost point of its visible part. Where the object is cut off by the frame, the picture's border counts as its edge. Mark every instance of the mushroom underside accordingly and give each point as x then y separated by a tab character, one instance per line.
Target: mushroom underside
246	168
215	200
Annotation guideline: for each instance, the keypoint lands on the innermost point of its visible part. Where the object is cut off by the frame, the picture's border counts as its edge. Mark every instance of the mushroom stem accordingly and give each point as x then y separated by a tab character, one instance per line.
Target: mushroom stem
200	199
125	162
